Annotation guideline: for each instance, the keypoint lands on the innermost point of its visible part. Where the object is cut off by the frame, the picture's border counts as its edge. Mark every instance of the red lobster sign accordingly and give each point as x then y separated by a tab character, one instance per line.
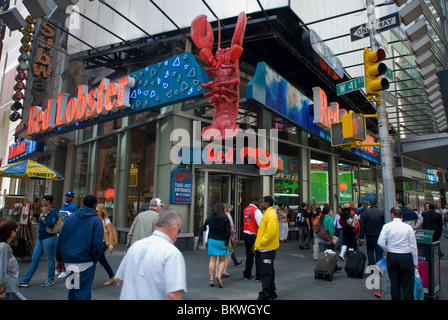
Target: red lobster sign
225	94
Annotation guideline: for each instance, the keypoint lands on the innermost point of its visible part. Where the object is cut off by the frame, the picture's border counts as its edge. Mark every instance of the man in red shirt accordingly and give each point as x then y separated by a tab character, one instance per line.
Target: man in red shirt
252	219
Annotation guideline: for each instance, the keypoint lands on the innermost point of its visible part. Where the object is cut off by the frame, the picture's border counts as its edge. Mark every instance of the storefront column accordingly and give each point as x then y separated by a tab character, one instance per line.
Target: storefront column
122	179
333	182
304	156
265	122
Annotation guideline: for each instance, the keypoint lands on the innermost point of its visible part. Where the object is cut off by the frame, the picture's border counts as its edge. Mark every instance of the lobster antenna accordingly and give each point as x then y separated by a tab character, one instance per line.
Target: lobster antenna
219	34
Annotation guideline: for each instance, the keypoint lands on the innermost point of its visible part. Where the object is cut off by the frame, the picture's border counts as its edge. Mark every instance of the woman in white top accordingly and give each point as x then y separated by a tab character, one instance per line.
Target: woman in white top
108	232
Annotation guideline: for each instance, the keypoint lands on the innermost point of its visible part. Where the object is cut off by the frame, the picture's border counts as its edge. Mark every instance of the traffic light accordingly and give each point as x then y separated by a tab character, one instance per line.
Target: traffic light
353	127
337	139
373	69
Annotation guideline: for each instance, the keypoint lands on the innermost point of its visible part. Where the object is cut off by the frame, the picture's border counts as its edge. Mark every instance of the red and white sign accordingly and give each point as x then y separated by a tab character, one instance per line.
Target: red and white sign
108	97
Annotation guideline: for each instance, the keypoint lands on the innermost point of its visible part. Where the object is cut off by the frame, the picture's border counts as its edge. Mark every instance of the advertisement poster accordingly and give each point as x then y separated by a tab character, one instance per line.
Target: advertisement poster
181	186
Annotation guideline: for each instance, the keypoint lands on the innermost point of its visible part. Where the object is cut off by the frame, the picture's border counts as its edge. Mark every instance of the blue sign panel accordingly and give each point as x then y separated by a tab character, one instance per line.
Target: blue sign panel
23	148
272	90
181	186
170	81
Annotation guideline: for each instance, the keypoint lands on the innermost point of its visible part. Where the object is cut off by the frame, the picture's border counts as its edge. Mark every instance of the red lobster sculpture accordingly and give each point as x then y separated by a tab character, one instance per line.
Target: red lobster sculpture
225	94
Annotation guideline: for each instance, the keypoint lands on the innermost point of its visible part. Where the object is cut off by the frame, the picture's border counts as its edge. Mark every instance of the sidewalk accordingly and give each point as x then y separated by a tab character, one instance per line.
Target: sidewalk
294	279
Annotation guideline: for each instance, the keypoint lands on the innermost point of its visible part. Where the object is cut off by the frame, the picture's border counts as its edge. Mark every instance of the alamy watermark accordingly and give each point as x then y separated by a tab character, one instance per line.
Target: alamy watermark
72	281
249	147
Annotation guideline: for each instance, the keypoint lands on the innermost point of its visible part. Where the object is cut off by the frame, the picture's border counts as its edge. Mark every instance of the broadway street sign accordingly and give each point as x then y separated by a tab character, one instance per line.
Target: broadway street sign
385	23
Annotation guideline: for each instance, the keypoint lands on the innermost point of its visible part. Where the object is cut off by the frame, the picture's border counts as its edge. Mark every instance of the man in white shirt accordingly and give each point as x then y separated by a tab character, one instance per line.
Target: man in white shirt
398	239
153	268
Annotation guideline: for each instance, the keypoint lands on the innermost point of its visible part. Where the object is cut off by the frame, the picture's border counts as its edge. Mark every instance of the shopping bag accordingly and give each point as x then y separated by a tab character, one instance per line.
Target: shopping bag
418	287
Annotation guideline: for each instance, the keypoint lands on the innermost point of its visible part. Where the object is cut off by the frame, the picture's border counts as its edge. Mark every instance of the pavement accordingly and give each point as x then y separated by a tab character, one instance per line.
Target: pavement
294	278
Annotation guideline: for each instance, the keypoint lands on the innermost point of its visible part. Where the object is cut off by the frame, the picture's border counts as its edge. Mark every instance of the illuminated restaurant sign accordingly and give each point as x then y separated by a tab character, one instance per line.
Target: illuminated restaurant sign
23	148
170	81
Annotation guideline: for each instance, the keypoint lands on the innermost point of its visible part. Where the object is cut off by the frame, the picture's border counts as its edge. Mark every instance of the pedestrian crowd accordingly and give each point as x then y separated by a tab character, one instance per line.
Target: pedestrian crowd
73	241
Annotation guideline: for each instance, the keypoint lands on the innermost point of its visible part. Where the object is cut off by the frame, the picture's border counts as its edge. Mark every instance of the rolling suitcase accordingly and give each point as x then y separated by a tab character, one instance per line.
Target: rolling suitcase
355	264
325	266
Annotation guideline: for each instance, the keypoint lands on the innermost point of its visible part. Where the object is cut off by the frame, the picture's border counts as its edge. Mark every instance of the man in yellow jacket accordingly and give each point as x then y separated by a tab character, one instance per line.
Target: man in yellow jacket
267	243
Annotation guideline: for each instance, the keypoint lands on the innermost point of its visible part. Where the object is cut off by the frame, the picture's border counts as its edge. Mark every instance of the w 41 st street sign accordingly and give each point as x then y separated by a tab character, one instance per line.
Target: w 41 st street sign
384	23
349	86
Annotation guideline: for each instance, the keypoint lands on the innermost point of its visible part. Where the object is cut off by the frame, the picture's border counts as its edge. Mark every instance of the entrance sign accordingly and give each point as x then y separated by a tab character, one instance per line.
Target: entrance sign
181	186
384	23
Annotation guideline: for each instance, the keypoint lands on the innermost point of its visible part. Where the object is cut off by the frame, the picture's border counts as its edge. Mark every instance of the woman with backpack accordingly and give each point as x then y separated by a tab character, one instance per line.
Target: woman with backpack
348	223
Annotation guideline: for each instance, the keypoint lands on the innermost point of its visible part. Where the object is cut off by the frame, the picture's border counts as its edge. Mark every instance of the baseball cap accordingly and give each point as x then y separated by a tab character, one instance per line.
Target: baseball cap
70	194
155	202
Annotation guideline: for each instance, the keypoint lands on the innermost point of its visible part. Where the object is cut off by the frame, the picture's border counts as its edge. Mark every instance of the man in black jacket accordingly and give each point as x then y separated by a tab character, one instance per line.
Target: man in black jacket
372	221
433	220
409	216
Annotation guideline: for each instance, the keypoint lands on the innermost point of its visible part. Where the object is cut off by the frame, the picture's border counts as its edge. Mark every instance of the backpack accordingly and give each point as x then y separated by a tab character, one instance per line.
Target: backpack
300	218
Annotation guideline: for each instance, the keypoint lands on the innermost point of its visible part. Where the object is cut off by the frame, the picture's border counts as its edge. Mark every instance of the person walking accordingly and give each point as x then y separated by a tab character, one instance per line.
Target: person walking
153	268
398	239
433	220
252	219
144	224
232	242
372	221
303	223
218	242
267	243
9	268
283	221
66	210
69	206
326	221
79	247
45	244
348	223
409	216
338	228
107	242
315	217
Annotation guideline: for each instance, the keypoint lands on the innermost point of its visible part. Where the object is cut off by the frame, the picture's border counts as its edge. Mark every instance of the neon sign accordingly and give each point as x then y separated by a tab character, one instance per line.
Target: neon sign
23	148
108	97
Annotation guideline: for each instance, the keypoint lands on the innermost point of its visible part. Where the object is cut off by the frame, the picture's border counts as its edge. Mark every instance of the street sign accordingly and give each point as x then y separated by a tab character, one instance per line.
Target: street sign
349	86
385	23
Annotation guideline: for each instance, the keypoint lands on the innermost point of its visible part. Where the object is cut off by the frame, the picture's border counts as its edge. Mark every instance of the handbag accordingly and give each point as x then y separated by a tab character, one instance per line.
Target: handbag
114	236
418	287
323	233
57	226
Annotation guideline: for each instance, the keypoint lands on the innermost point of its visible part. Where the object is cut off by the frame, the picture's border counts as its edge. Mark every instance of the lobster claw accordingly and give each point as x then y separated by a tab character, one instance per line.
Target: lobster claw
202	35
236	48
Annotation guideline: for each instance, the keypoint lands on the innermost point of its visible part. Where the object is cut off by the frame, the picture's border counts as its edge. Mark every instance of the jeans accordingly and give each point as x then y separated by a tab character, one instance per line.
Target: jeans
103	261
85	285
267	276
304	238
47	246
374	251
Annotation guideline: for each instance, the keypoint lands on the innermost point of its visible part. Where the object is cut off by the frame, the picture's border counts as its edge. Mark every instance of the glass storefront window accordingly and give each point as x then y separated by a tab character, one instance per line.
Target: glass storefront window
81	165
110	126
199	200
107	162
348	186
367	184
141	171
319	182
286	185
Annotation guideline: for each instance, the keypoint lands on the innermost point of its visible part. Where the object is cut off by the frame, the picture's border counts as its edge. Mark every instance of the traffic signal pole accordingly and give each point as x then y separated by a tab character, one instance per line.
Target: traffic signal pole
386	151
383	129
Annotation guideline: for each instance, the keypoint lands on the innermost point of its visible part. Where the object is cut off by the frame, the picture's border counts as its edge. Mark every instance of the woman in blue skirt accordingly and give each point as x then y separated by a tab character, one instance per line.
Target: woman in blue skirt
218	240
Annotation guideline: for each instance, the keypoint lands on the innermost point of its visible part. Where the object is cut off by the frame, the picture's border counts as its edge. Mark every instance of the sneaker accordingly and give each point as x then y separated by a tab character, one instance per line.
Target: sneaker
48	283
250	278
218	282
239	264
23	284
212	283
63	275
